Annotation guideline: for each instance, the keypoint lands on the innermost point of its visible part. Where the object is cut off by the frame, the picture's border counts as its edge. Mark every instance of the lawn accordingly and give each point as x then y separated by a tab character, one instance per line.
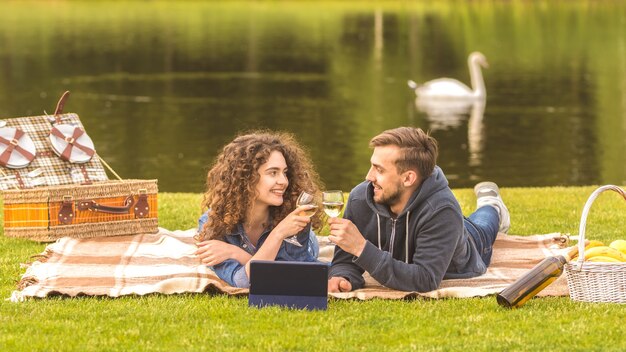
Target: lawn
206	322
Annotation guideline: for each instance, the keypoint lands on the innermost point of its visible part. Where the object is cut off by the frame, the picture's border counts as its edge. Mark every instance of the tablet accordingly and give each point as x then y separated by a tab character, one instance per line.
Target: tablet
300	285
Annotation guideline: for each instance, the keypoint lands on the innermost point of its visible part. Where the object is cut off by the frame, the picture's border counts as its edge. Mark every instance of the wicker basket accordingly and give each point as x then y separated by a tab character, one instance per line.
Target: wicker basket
595	281
109	208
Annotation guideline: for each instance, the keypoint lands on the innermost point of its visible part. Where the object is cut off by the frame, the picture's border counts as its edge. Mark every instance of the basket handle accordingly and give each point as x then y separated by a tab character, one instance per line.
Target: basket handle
141	207
92	205
583	220
60	105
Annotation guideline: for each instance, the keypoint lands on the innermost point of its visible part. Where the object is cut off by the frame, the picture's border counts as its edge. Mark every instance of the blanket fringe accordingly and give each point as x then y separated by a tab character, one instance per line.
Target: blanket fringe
26	281
42	257
562	239
16	297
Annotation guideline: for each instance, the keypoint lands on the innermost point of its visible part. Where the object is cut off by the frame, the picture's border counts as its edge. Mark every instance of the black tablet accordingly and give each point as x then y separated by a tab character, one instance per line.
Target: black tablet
300	285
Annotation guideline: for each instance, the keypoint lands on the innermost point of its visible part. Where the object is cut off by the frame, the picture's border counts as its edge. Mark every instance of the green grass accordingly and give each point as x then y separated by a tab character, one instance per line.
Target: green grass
206	322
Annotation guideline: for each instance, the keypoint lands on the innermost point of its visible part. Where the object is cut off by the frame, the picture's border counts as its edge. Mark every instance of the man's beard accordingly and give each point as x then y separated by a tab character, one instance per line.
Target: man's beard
389	199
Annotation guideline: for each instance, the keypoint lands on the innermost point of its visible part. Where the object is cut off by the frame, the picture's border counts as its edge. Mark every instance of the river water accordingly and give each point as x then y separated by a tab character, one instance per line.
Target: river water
162	86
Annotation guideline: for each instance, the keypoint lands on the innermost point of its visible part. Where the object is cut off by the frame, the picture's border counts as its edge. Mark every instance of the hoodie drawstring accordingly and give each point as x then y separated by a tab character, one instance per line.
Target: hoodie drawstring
378	218
406	234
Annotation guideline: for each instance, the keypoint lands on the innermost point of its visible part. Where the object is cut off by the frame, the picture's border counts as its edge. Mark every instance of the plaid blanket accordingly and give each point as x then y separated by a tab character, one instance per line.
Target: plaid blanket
54	170
165	263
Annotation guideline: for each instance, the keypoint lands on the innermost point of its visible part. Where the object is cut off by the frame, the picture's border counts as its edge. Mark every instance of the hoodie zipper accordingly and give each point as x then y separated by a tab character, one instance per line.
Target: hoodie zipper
393	235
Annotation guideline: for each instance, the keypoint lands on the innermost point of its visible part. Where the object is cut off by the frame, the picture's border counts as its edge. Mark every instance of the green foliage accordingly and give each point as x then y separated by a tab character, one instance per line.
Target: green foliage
206	322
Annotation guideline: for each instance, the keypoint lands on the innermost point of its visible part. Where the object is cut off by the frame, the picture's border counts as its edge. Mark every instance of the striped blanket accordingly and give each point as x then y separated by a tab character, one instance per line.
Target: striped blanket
165	263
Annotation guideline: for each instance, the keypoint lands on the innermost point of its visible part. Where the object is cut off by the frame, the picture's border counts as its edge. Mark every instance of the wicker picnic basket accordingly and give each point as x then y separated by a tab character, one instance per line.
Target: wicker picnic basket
53	183
595	281
108	208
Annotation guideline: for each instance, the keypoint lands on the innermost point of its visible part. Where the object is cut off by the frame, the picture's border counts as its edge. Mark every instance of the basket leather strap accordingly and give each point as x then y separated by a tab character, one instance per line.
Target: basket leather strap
20	180
85	174
14	144
71	142
142	208
59	109
66	213
92	205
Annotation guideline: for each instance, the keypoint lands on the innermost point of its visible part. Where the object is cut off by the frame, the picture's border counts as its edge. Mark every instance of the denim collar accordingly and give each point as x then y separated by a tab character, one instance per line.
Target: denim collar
240	238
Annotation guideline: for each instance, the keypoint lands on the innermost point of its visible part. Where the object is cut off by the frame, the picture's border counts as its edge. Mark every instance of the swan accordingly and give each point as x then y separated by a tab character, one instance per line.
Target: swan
451	89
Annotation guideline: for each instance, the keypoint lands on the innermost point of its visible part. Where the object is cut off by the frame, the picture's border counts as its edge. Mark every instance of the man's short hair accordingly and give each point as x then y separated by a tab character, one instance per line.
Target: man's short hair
418	150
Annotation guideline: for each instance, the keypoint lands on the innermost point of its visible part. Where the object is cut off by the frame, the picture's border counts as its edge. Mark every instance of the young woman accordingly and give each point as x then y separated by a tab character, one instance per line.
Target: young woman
251	199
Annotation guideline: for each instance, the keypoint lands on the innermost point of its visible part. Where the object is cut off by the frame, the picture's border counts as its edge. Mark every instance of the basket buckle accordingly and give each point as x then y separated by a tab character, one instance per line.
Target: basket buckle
66	213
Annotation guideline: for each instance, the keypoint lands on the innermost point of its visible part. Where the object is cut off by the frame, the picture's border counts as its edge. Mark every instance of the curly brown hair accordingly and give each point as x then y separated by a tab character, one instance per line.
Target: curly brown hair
231	182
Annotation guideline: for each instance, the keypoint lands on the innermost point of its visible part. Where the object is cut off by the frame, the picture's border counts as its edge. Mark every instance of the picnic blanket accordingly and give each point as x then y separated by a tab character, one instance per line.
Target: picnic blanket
165	263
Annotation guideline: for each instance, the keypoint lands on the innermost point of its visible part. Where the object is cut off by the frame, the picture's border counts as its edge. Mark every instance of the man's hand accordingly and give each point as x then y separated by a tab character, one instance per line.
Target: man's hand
345	234
339	284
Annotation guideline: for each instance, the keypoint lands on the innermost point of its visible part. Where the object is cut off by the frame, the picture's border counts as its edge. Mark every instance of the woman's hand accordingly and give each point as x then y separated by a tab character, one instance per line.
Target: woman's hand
215	252
293	223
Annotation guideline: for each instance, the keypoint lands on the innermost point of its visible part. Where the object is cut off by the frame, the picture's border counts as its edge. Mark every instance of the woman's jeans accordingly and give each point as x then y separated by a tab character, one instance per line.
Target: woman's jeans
483	226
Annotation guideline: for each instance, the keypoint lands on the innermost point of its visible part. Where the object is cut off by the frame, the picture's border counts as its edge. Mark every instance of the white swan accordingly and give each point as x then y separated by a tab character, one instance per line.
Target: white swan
451	89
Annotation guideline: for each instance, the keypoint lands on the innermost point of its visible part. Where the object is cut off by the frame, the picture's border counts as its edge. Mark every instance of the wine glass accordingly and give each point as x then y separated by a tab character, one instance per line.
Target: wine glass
332	202
304	198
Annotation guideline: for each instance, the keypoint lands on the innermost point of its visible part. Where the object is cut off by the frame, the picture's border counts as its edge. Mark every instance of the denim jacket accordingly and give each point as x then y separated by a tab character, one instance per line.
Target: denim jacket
235	274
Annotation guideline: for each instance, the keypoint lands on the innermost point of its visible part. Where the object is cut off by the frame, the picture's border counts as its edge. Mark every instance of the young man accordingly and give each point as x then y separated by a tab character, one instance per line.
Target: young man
404	226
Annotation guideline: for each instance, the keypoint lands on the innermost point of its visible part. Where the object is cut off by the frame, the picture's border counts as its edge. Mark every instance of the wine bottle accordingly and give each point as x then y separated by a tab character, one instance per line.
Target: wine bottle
538	278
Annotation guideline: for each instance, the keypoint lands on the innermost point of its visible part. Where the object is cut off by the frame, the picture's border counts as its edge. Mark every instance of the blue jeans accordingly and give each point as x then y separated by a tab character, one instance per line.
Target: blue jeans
483	226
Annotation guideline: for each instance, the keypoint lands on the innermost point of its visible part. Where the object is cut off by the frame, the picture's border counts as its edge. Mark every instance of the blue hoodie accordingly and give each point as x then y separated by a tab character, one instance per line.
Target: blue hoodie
437	245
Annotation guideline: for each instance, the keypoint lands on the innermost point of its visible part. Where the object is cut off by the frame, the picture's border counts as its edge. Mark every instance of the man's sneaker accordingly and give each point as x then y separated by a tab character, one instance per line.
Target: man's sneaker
488	193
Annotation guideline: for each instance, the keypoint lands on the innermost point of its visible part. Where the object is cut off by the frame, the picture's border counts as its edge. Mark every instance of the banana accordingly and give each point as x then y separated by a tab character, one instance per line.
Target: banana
620	245
603	259
589	244
605	251
594	243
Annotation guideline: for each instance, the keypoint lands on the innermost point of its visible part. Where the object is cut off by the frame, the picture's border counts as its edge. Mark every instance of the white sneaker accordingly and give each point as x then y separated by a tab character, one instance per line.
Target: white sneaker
488	193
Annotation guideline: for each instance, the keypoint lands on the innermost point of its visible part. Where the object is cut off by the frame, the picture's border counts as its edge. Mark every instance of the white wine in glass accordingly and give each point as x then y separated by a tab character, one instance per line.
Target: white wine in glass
309	212
303	199
332	201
